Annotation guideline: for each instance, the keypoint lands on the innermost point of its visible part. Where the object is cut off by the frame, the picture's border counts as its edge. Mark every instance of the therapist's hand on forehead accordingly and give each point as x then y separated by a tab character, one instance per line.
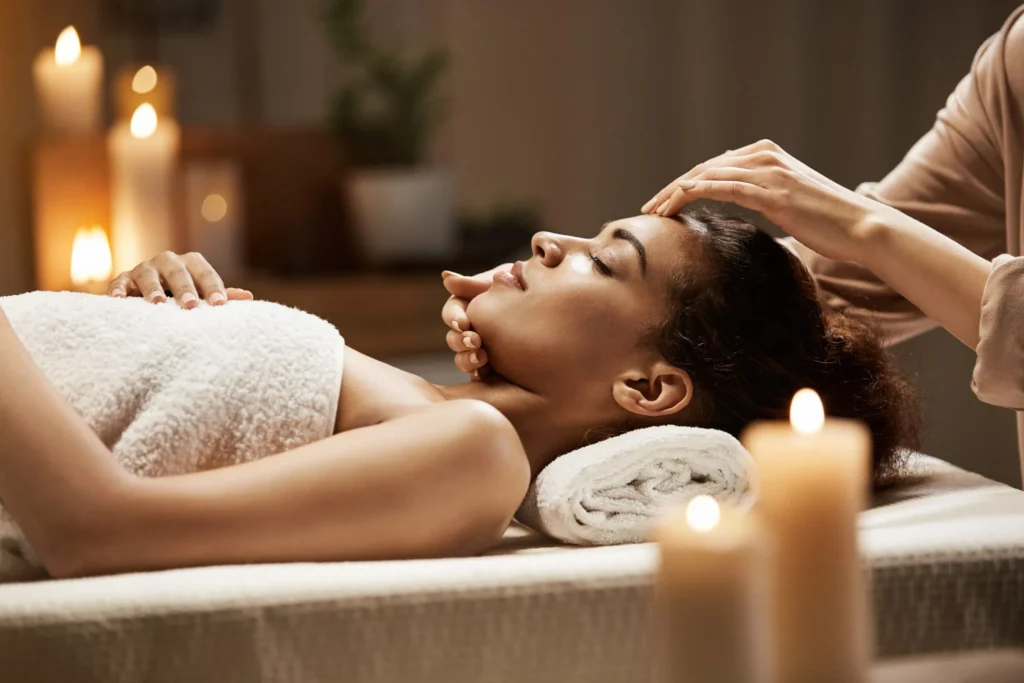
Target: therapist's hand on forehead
762	177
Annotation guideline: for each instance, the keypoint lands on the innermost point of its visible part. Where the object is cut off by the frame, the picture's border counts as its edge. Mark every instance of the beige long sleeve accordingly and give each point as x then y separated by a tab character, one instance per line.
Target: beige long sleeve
964	179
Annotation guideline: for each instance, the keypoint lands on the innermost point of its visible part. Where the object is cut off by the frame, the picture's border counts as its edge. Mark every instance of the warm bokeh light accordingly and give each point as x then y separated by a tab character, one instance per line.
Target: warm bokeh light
703	513
90	256
806	413
69	47
144	80
144	121
214	208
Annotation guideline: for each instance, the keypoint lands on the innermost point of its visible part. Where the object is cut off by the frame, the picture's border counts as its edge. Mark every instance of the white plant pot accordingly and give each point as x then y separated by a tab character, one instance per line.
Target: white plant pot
403	214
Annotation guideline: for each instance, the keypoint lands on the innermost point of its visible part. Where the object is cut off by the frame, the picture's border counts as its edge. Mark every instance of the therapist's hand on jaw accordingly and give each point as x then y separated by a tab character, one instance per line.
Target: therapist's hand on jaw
189	277
762	177
470	355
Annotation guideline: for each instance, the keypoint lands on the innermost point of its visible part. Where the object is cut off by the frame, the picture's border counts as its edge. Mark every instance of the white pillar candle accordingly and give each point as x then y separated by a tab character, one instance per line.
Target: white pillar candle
814	476
90	260
144	163
69	85
214	214
712	592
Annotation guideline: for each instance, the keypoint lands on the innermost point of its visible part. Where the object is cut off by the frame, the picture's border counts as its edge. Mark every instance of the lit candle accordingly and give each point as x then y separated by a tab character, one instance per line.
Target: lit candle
214	214
814	481
90	260
712	593
144	84
144	164
69	85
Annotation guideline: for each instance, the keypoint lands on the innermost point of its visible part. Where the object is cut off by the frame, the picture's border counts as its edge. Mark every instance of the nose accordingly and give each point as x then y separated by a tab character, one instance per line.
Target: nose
550	248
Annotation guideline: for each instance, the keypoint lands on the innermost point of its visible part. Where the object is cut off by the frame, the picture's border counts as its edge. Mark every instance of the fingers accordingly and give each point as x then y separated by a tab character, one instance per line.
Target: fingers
175	274
466	287
463	341
147	280
207	281
728	158
236	294
454	314
471	361
745	194
120	286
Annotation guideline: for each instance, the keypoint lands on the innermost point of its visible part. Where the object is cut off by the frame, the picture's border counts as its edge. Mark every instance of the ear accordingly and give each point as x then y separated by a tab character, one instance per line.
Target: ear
657	391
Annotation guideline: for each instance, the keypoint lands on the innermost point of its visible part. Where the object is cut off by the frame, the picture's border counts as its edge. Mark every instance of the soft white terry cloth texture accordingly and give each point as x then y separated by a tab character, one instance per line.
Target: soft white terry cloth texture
171	391
615	490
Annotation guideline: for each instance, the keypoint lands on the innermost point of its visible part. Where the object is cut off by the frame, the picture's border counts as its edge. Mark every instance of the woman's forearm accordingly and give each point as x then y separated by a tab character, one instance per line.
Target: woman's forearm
56	476
941	277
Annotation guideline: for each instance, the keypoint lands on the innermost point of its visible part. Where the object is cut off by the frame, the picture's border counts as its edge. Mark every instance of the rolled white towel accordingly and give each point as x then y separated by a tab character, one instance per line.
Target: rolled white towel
615	490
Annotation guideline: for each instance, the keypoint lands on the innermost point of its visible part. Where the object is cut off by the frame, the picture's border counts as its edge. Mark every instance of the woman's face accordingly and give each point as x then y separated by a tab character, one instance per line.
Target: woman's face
584	306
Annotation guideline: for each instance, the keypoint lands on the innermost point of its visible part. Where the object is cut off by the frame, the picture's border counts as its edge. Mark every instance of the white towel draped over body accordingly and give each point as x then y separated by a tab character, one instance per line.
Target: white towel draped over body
171	391
615	490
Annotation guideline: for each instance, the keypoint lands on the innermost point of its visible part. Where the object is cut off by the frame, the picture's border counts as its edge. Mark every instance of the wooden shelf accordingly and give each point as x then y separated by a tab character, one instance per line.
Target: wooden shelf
377	314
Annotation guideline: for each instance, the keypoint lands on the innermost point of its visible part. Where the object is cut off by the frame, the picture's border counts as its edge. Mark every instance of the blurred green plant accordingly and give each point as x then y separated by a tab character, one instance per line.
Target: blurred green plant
387	107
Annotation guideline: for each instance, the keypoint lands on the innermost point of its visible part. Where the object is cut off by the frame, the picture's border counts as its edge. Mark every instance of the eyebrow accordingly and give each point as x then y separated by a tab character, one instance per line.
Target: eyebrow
623	234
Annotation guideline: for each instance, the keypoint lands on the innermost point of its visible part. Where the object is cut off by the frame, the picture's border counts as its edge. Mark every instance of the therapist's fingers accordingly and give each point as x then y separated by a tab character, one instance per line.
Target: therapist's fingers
147	280
463	341
727	158
747	195
175	274
744	181
471	361
454	314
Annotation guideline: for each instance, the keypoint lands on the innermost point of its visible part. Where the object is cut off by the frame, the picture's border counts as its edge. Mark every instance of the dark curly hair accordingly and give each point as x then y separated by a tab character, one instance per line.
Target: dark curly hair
747	326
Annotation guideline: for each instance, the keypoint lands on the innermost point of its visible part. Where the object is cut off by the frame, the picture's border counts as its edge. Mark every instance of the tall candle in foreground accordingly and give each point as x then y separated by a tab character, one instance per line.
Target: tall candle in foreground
69	85
144	163
712	594
814	477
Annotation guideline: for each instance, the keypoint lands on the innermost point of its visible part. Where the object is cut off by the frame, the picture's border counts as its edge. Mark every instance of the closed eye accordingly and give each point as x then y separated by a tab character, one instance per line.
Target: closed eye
601	266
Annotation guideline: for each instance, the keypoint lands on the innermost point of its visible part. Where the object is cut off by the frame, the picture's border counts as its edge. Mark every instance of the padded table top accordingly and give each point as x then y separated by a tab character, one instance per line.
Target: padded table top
945	552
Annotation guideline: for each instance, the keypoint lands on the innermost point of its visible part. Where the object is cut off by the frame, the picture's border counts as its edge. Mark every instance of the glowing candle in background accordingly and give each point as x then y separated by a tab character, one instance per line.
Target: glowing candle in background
144	162
712	594
814	475
150	84
69	85
91	266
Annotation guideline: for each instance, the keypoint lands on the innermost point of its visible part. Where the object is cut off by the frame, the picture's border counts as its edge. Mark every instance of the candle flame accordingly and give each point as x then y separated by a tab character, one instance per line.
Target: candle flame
703	513
69	47
806	413
90	256
214	208
144	121
145	80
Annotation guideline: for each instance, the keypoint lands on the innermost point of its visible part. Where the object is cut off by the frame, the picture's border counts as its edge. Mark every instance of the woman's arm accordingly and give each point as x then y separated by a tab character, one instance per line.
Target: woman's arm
942	278
444	480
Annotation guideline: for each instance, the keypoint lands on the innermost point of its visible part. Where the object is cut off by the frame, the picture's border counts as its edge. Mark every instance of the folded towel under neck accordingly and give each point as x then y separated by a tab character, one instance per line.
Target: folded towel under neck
615	490
171	391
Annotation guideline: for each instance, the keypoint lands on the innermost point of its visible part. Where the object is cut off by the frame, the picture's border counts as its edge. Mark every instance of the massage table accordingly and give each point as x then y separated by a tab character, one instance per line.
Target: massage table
944	551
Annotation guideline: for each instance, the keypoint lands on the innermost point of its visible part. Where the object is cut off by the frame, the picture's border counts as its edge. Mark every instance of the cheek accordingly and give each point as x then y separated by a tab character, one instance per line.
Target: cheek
533	340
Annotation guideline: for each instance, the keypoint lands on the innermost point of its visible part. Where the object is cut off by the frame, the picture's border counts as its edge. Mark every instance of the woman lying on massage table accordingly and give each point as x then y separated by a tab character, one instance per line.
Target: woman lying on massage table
696	319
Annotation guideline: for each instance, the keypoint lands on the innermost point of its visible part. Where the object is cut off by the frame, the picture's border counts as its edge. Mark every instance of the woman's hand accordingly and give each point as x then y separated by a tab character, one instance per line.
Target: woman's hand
189	277
470	356
820	213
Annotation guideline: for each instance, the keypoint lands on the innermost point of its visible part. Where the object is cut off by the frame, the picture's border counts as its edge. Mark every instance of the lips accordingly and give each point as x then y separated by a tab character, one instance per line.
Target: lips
517	271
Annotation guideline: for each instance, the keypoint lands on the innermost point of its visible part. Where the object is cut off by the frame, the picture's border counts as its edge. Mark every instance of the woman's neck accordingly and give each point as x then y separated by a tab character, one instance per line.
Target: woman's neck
543	430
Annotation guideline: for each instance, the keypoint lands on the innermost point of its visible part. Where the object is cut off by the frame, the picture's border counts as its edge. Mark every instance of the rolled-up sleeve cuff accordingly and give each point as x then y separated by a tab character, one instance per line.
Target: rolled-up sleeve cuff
999	370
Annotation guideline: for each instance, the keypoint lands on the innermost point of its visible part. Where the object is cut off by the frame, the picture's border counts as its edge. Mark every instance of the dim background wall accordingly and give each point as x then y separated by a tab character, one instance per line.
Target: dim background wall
584	106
